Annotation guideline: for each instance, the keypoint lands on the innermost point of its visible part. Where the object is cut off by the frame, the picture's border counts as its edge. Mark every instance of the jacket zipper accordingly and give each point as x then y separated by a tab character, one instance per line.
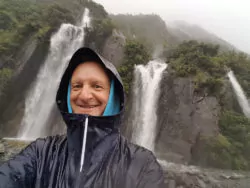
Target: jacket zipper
84	139
81	170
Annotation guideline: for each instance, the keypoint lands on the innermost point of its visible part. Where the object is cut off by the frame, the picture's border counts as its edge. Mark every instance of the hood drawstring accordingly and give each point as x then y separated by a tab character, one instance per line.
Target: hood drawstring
84	143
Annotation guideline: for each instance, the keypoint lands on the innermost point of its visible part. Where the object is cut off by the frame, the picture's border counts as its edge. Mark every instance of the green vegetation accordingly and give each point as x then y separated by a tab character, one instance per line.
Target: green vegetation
23	18
231	148
216	152
5	75
208	66
200	61
240	64
135	53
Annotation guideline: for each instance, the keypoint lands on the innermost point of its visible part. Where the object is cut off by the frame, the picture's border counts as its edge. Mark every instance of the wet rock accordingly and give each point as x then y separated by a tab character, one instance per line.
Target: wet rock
183	176
183	116
201	184
224	176
2	149
237	176
171	184
114	48
11	148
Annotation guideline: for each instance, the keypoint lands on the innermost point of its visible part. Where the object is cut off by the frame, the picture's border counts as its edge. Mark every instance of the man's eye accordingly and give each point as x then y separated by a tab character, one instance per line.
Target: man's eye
97	86
77	86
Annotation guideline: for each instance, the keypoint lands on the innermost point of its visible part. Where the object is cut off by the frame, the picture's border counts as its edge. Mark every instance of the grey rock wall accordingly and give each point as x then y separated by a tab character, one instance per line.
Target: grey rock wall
183	116
113	49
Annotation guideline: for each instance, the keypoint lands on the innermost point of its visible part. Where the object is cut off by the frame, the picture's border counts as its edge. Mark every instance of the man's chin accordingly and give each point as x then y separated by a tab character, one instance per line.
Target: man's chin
91	112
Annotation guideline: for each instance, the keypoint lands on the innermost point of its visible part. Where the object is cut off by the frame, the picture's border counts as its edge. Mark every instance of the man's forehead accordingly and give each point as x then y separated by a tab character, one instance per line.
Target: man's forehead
90	70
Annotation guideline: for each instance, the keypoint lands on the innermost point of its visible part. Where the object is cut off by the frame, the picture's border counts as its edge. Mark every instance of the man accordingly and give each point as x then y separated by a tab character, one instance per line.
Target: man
93	153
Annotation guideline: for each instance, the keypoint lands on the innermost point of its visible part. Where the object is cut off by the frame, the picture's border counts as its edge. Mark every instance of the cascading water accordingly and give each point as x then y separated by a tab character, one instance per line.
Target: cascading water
41	98
243	101
146	93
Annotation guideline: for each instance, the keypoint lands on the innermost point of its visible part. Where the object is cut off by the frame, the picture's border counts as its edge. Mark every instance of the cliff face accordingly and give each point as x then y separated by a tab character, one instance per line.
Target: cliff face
113	49
182	118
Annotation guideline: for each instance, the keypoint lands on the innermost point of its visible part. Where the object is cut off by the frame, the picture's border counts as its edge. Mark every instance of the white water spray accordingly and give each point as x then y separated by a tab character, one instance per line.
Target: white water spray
41	98
146	93
244	104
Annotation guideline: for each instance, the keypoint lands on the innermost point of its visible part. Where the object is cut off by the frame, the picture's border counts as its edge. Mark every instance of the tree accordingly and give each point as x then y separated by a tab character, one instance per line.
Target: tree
135	53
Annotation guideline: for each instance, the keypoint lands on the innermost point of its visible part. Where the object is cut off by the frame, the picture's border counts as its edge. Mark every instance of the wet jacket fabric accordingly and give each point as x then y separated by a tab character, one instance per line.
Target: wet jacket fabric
110	161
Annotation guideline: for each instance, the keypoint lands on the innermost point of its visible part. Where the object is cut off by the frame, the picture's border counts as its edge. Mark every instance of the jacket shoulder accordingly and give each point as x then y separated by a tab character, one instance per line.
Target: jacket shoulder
144	166
50	140
48	143
136	151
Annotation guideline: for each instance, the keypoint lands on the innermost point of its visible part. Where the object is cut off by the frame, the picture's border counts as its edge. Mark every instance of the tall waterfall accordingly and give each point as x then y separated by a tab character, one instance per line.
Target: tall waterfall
243	101
41	97
146	93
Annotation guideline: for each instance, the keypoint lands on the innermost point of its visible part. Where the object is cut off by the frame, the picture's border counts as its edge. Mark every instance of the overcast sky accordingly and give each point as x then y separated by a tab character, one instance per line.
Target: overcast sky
228	19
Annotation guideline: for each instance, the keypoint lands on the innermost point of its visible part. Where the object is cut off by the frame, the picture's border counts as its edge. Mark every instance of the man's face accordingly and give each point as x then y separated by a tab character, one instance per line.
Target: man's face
90	87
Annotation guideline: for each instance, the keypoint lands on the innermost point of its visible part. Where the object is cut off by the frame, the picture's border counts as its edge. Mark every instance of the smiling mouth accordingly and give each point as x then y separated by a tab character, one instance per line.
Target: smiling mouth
88	107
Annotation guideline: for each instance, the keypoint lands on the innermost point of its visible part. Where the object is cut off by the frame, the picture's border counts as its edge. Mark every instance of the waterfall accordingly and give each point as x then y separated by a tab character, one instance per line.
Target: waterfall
40	100
145	97
242	99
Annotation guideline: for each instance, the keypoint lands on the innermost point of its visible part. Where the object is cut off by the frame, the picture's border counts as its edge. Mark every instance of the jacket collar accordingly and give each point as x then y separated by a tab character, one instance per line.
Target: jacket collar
98	129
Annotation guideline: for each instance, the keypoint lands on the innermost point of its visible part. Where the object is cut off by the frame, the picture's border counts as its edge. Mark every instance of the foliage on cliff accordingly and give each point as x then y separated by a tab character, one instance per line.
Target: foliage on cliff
200	61
231	148
23	18
5	75
208	66
134	53
239	63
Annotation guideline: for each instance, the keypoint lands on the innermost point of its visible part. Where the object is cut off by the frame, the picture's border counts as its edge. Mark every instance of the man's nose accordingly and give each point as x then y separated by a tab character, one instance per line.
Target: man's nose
85	93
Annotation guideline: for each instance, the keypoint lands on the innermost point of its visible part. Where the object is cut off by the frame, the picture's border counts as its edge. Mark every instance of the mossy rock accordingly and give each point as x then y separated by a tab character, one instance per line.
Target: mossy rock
9	148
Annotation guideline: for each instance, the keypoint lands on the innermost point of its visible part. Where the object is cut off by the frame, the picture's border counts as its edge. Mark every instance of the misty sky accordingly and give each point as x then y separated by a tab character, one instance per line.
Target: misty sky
228	19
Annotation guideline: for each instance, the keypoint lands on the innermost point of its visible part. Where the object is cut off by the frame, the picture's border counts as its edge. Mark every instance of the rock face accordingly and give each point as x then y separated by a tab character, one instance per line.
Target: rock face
183	116
8	148
113	49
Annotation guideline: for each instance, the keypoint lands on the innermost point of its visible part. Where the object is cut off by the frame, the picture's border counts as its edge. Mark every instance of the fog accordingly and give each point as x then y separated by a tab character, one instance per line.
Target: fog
228	19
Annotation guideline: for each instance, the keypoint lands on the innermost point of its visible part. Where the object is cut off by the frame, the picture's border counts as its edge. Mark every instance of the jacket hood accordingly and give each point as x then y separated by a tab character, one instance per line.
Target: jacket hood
80	56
